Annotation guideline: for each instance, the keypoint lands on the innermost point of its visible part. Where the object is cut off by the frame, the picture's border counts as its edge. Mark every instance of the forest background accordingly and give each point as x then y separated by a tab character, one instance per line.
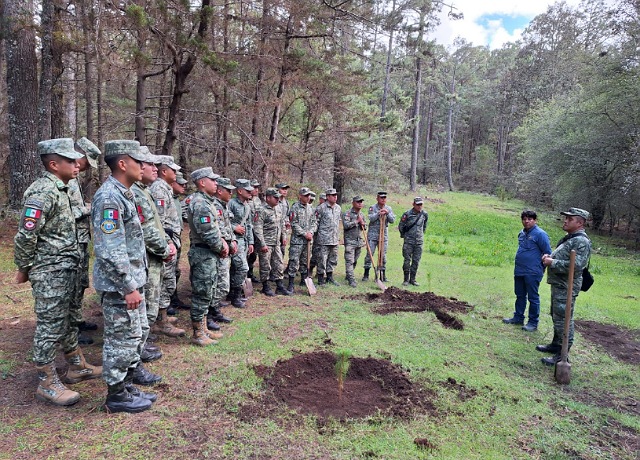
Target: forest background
334	93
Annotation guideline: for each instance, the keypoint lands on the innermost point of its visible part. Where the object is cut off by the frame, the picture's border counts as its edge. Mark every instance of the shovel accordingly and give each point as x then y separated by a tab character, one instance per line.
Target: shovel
378	281
383	220
563	367
247	287
308	280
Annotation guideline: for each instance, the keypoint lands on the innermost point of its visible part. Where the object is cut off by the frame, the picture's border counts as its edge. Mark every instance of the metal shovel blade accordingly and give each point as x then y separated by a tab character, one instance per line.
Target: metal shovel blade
563	372
247	287
381	284
310	286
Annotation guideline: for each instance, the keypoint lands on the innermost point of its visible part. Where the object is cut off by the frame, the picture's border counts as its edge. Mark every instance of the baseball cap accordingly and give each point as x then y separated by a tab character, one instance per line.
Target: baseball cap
90	150
62	147
576	212
124	147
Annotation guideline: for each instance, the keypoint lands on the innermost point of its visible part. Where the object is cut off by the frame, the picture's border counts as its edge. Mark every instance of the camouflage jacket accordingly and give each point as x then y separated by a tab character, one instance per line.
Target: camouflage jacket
303	219
413	225
155	239
81	212
241	215
121	261
284	205
224	220
268	225
374	222
328	218
181	206
203	223
558	271
170	215
46	238
352	229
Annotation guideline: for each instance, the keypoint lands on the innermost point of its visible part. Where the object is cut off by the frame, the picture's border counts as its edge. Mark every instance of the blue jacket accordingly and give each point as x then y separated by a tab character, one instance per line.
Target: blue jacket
531	246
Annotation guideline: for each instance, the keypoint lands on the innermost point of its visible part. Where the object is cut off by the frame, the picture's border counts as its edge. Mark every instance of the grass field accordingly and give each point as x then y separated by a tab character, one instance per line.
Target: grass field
514	409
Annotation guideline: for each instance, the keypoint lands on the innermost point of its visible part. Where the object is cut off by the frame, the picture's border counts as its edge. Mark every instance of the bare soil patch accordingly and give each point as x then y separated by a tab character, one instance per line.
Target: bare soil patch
623	344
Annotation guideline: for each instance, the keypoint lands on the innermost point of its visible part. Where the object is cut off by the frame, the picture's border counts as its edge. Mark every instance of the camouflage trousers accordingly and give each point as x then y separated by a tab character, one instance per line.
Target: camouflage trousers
82	283
412	253
271	264
203	274
125	332
351	256
327	259
558	308
239	265
315	251
222	281
297	259
53	293
153	287
168	282
178	255
373	244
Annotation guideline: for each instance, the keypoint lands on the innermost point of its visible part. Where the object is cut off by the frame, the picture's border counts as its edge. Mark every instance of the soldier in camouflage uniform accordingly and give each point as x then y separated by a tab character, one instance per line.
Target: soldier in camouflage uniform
178	188
373	234
46	254
241	222
283	189
302	219
557	264
328	215
412	226
268	226
82	212
254	204
353	224
158	245
315	247
207	245
119	276
171	218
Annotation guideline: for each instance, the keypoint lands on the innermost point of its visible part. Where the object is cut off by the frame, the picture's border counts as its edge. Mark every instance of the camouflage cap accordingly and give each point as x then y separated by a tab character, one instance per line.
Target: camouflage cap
202	173
272	191
225	182
255	183
382	194
90	150
357	198
149	157
576	212
304	191
168	161
417	200
123	147
330	191
180	178
313	195
62	147
244	184
282	185
323	196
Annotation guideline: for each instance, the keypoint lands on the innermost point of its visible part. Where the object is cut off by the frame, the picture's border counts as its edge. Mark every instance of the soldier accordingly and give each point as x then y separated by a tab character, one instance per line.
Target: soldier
46	254
315	248
178	188
413	224
158	245
328	216
171	218
353	224
303	223
119	276
241	218
268	226
375	212
254	203
207	245
283	189
82	212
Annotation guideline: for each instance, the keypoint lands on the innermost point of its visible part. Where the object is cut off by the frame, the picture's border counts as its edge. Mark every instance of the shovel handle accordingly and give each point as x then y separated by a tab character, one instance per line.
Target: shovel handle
366	240
567	311
308	257
383	221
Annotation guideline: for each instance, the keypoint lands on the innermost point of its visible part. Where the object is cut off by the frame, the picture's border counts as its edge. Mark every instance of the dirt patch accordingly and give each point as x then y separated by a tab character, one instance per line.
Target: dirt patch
396	300
308	384
623	344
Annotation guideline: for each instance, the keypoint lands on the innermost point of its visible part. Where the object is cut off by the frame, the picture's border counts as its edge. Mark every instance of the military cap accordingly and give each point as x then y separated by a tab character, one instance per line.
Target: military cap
304	191
313	195
330	191
272	191
282	185
168	161
382	194
255	183
90	150
180	178
323	196
417	200
357	198
62	147
149	157
123	147
576	212
225	182
202	173
243	183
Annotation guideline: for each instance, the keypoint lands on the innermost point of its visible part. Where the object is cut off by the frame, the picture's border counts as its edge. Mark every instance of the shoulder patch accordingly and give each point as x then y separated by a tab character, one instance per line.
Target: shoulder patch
140	214
370	208
205	220
110	218
34	203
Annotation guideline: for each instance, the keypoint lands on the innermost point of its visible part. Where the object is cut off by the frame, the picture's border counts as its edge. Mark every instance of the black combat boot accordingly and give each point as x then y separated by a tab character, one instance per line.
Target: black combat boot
216	315
365	277
150	353
291	288
142	376
303	276
121	400
266	289
383	276
412	280
236	298
321	280
331	280
406	279
134	390
280	289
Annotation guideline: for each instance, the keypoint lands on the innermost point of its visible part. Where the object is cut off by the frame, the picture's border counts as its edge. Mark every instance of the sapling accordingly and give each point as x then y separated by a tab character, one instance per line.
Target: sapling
342	367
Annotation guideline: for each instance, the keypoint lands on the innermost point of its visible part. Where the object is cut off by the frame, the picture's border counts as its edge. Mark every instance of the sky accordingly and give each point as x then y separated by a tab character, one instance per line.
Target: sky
490	23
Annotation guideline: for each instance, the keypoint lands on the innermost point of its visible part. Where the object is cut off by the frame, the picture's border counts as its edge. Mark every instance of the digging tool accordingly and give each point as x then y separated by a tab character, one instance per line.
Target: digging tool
563	367
378	281
383	220
308	280
247	287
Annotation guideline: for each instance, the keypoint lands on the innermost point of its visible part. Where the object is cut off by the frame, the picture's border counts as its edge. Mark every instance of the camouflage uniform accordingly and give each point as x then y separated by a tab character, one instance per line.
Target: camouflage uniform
284	208
240	215
119	269
268	225
412	227
373	234
82	214
328	218
206	245
353	241
223	281
46	246
254	204
302	218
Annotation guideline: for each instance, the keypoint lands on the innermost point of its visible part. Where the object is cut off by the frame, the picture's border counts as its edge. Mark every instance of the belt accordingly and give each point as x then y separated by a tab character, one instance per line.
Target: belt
202	246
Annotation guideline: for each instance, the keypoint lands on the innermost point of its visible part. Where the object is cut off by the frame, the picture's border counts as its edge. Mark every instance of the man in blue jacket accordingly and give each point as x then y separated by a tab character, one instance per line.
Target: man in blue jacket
533	242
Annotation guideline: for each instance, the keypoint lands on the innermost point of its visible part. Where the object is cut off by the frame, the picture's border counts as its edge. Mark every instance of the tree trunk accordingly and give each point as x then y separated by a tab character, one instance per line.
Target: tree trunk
46	70
57	71
416	103
449	131
427	142
385	89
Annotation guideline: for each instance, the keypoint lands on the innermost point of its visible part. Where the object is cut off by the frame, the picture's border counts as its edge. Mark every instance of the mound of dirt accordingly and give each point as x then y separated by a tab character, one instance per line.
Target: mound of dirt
308	384
621	343
396	300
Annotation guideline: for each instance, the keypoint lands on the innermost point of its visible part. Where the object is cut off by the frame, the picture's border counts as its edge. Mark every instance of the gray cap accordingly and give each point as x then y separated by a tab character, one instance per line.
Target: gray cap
282	185
168	161
272	191
357	198
382	194
202	173
90	150
180	178
225	182
123	147
418	200
313	195
330	191
576	212
149	157
62	147
323	196
255	183
304	191
244	184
